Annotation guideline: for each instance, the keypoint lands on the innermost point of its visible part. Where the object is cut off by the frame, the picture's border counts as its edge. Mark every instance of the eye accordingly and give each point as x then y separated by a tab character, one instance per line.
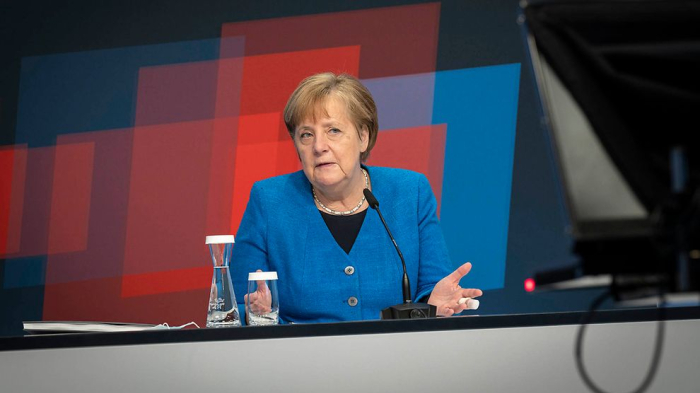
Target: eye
305	137
334	133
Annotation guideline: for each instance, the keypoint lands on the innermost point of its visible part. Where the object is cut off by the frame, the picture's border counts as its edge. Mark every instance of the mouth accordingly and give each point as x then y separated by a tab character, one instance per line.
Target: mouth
325	164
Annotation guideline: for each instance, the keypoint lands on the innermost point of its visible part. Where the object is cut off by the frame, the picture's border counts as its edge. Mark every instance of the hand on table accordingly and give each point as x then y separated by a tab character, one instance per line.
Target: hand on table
447	293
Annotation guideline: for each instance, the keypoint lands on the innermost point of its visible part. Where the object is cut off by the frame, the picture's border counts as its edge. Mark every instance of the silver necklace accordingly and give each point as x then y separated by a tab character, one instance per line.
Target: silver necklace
345	213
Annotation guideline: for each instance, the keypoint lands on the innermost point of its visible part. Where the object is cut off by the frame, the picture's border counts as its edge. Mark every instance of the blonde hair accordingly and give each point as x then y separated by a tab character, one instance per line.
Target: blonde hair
314	90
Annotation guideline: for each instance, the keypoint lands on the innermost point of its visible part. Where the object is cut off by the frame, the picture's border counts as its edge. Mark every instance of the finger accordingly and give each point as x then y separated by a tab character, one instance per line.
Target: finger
461	271
469	303
262	287
454	307
471	292
260	283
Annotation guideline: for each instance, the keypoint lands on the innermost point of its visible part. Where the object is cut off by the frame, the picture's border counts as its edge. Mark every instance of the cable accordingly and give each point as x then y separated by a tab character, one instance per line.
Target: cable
658	346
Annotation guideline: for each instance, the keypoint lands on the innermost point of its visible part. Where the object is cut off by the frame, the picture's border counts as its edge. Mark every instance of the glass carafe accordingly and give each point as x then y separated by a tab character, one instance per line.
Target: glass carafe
223	309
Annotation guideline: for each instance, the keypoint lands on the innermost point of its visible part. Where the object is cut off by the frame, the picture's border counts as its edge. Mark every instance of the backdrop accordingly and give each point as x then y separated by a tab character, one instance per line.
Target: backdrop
130	132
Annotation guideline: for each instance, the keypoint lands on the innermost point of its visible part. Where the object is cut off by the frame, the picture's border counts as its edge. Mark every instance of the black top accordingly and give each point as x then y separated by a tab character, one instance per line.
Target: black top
339	329
344	228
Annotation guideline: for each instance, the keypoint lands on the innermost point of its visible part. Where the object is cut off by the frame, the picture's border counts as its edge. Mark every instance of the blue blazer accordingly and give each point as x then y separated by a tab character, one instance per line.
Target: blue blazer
283	231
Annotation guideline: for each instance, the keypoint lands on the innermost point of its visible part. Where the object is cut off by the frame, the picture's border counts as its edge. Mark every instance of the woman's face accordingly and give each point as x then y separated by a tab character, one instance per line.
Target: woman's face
329	147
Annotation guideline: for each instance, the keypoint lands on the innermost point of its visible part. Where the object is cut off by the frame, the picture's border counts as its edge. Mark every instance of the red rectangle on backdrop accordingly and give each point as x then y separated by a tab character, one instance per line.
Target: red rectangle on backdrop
165	282
70	197
420	149
7	160
13	166
36	208
100	300
228	87
221	175
167	209
256	158
395	40
106	226
269	80
177	92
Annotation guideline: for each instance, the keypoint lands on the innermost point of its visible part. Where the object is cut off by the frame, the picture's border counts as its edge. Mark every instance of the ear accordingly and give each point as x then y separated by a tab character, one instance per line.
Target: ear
364	139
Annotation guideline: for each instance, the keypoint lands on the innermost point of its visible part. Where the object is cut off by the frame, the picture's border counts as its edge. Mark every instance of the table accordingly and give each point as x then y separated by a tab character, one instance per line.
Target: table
523	353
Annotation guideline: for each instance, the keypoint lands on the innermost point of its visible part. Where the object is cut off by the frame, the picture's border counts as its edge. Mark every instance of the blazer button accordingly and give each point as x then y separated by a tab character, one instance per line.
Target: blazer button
352	301
349	270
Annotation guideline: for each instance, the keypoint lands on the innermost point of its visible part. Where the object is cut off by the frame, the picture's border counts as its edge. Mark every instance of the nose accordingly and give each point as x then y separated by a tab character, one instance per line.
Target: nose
320	143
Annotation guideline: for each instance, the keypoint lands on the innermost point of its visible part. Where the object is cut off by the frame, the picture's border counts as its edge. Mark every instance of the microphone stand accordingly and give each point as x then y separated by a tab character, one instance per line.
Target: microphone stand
408	309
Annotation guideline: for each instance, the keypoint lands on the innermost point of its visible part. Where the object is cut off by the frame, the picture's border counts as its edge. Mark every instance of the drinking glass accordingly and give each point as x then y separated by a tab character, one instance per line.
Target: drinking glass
262	302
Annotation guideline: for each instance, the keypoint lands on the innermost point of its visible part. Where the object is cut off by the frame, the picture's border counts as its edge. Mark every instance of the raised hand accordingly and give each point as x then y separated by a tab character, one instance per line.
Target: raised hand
447	293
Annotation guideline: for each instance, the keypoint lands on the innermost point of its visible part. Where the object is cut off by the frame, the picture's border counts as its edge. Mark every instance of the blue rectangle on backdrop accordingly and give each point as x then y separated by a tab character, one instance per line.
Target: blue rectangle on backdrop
24	272
93	90
479	106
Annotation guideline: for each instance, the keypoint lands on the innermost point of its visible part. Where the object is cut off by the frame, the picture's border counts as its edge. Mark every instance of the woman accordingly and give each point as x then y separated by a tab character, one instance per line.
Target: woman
334	259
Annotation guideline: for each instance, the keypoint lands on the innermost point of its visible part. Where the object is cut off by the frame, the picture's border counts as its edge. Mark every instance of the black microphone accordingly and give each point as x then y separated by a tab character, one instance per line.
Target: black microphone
407	310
